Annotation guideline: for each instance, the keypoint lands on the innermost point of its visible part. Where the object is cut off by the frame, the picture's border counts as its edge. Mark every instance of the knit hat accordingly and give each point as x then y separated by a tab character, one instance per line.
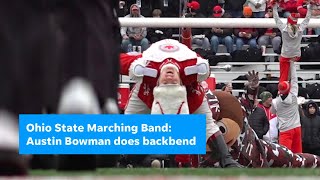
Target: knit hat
247	11
284	87
217	11
194	5
265	95
293	18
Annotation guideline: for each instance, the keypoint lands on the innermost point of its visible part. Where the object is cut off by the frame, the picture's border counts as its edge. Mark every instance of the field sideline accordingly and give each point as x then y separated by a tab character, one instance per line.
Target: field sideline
178	174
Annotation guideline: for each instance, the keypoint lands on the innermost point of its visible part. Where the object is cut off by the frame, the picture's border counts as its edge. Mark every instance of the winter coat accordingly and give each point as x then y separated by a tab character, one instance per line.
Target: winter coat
310	124
259	122
130	31
145	8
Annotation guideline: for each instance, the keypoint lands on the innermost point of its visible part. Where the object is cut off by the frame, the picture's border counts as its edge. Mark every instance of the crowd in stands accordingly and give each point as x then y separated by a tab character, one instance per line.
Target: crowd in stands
210	38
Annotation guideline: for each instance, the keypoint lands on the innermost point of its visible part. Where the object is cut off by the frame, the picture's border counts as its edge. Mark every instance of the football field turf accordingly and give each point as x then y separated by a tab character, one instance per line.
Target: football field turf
183	174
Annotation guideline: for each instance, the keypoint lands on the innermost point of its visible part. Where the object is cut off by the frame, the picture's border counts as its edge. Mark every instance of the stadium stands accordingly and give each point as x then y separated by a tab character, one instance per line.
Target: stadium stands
270	64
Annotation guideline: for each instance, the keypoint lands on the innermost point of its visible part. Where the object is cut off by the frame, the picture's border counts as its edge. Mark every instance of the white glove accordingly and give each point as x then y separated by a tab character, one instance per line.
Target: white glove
158	32
202	68
200	36
138	69
301	100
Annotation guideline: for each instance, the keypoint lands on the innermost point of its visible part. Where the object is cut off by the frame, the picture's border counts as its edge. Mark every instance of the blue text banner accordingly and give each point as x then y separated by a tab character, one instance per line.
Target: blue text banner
112	134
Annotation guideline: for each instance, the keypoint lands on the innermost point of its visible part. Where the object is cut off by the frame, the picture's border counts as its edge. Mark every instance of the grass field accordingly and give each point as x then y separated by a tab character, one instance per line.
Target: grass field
214	172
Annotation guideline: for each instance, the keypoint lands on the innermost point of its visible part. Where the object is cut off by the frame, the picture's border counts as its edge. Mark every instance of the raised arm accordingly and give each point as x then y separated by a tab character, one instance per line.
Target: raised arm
294	79
279	23
305	22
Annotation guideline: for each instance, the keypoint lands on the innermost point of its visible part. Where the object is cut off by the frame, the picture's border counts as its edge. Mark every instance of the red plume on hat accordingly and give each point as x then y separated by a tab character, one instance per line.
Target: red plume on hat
194	5
293	18
284	87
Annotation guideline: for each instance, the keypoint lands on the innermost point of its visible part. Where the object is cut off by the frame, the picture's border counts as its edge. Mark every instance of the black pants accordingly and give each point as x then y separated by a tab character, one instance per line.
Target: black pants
44	44
89	35
27	50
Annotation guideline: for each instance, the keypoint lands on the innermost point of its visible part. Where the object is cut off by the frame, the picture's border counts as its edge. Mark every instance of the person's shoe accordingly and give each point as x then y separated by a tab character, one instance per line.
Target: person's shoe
11	163
78	97
220	152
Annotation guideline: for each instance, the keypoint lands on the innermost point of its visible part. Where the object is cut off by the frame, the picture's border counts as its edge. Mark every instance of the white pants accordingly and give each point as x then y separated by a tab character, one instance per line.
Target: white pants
137	106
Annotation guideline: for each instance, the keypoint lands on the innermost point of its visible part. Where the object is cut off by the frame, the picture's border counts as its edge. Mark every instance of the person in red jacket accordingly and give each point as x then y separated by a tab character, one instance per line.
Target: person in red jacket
181	66
302	9
288	7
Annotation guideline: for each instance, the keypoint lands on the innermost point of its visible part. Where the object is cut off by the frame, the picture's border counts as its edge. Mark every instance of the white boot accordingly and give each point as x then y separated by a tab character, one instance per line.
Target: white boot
78	97
11	163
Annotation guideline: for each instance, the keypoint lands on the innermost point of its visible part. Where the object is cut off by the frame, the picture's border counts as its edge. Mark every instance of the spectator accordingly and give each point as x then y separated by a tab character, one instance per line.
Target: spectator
157	34
134	36
169	8
288	7
145	6
270	36
234	7
220	35
246	35
198	34
310	124
259	122
273	133
258	7
249	98
302	9
212	4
